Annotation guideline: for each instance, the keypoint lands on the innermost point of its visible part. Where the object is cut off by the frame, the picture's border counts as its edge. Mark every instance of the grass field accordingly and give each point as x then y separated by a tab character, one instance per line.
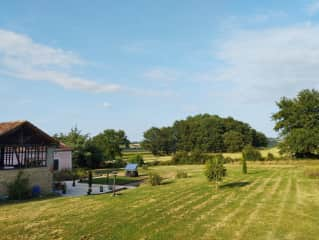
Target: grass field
149	157
272	202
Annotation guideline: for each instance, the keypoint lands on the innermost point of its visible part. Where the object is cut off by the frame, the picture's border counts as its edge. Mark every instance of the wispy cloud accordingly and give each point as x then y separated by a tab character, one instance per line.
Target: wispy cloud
270	63
22	58
313	8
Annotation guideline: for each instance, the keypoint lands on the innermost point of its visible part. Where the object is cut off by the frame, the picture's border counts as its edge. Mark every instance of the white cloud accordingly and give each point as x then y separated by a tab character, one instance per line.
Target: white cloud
270	63
22	58
313	8
161	74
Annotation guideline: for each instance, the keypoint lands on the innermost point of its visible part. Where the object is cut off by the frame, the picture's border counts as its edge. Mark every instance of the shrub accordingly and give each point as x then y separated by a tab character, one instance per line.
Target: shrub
154	163
181	174
136	159
194	157
80	173
270	157
63	175
228	160
197	156
251	154
214	169
312	172
154	179
19	189
180	157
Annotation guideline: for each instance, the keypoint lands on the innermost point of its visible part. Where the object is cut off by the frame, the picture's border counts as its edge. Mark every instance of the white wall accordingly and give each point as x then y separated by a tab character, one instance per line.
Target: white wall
65	159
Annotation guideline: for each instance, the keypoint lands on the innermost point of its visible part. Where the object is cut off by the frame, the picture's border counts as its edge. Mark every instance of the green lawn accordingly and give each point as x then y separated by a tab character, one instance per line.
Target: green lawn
149	157
272	202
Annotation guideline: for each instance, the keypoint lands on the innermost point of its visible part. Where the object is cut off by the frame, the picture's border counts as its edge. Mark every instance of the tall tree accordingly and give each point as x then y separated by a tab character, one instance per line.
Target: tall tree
233	141
110	143
78	142
297	121
202	132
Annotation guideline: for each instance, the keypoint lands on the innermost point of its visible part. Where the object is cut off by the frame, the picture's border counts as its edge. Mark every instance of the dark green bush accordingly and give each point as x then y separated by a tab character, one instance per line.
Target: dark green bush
63	175
118	163
181	174
251	154
19	189
180	157
270	157
154	163
136	159
228	160
194	157
154	179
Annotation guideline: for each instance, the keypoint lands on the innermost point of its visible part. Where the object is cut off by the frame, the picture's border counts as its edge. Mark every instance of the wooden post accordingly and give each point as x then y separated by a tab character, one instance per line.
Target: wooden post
114	181
1	157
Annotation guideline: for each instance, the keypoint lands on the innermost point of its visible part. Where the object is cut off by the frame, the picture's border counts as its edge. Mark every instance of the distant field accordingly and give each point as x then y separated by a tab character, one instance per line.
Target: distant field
264	153
272	202
149	157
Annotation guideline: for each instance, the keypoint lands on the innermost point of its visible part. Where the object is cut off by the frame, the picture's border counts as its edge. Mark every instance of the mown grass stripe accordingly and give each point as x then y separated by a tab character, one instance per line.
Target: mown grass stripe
212	230
251	219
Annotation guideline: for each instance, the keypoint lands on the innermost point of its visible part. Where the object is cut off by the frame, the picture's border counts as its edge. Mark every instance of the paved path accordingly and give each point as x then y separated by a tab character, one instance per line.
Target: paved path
81	189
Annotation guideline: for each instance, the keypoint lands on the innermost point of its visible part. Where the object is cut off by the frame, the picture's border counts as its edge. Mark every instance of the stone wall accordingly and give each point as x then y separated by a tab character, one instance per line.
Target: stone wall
37	176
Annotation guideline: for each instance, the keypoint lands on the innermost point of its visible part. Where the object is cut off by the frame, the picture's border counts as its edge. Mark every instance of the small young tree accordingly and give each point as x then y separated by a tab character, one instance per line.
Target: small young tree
154	179
215	170
244	166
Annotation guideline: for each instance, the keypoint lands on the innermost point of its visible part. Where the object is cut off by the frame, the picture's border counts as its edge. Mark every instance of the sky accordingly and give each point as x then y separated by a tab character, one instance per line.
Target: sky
132	65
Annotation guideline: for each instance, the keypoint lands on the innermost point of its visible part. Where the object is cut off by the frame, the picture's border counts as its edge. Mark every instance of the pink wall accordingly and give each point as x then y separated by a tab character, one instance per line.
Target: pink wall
65	159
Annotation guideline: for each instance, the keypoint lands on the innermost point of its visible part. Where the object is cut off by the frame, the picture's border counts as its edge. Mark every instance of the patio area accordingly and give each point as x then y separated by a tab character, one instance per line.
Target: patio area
81	189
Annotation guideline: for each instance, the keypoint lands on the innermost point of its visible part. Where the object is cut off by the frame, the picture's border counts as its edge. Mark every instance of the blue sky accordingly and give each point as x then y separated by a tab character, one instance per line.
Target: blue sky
135	64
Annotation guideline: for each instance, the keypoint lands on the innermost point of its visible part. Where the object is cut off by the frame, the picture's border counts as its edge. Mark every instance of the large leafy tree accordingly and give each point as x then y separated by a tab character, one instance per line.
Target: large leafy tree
91	152
233	141
78	142
202	132
110	143
160	140
297	121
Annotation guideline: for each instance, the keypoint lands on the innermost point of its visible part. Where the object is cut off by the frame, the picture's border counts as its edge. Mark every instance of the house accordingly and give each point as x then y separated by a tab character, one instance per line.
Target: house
62	158
25	147
131	170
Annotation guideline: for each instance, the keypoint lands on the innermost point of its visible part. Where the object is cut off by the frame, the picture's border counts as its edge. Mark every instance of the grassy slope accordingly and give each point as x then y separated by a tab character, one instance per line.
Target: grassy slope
271	202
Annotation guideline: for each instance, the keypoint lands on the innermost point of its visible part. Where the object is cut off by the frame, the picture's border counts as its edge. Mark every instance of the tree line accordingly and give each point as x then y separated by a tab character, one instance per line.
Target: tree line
297	121
92	152
206	133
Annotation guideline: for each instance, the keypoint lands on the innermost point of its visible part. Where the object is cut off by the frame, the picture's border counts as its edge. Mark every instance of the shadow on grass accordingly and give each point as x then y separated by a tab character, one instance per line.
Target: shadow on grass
256	171
234	185
167	181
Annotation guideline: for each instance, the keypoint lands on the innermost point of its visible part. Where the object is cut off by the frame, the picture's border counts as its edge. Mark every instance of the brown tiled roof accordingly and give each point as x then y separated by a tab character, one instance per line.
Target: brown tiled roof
6	127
